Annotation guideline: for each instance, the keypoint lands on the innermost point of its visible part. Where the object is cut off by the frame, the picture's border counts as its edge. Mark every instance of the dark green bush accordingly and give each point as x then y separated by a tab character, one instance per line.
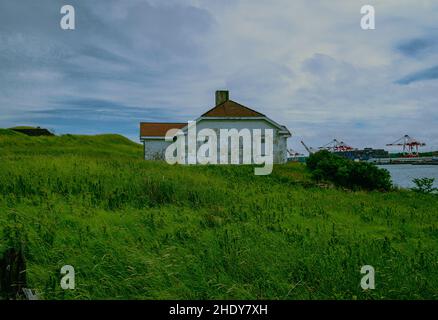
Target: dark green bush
424	185
346	173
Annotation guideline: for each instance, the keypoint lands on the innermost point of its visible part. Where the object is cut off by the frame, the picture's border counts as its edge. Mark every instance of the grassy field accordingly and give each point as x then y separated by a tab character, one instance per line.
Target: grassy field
136	229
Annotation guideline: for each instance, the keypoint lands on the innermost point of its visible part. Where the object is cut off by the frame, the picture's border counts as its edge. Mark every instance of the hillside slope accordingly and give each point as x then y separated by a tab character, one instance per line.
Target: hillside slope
136	229
13	143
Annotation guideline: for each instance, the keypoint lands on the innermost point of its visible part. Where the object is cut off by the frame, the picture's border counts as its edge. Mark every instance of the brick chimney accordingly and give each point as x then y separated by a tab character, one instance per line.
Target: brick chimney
221	96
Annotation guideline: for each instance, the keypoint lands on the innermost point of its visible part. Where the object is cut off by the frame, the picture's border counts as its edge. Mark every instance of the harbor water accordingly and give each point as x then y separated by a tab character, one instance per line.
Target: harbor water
403	174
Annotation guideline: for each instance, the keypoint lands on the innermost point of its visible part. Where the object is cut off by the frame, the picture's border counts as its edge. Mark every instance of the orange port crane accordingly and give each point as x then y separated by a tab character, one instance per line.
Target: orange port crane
332	146
336	146
410	145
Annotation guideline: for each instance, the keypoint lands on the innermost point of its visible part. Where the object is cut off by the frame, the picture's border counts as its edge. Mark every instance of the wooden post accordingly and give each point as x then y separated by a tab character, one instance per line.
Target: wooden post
12	274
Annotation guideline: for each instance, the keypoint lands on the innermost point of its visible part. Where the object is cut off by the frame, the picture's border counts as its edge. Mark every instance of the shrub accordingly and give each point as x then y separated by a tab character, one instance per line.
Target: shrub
424	185
346	173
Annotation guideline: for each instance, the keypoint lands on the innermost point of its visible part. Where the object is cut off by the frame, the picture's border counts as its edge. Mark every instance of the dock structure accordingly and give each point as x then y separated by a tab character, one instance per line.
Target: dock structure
416	160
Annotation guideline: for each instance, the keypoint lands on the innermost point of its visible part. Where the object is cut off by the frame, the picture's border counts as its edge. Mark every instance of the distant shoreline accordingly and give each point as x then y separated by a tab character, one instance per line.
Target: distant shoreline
415	161
412	163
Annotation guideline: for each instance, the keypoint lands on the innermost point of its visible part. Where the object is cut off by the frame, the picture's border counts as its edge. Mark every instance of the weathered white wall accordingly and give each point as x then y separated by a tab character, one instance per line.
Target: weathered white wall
155	149
282	150
279	143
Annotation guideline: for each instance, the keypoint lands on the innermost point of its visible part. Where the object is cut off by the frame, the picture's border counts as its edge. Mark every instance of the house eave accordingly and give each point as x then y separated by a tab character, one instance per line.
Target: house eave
265	118
151	138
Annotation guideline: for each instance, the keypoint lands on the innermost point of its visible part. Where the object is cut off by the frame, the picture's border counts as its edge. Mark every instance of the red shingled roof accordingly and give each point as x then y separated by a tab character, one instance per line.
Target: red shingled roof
228	108
232	109
158	129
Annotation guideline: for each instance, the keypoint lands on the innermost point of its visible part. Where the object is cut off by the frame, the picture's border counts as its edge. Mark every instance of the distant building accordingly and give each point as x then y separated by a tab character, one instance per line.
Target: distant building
226	114
33	131
364	154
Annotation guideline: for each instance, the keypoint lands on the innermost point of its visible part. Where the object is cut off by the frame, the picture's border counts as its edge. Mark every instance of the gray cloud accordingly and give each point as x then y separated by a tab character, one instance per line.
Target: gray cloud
417	47
425	74
92	116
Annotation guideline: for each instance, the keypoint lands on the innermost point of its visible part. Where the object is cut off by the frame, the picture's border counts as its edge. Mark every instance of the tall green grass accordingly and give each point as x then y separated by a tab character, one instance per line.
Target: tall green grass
147	230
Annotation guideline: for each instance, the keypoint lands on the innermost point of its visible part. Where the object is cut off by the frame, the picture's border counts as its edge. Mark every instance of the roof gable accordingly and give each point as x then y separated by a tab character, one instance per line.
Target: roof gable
158	129
224	111
230	108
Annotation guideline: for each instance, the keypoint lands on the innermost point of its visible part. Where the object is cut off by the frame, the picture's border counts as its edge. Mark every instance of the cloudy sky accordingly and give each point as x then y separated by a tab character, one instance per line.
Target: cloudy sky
306	64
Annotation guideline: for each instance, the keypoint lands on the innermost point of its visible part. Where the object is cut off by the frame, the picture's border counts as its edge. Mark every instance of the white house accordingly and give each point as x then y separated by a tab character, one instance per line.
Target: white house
227	114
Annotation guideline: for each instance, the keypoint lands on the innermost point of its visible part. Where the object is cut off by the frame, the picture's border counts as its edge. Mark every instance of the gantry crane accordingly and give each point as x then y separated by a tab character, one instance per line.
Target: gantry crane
332	146
310	150
294	154
336	146
409	144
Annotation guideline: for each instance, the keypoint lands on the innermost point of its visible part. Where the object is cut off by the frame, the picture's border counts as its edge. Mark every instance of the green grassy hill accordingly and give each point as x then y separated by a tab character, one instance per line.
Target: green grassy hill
15	144
147	230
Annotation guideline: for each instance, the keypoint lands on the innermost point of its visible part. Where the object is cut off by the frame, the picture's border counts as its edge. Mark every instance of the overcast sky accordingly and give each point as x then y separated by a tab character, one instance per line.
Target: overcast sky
306	64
